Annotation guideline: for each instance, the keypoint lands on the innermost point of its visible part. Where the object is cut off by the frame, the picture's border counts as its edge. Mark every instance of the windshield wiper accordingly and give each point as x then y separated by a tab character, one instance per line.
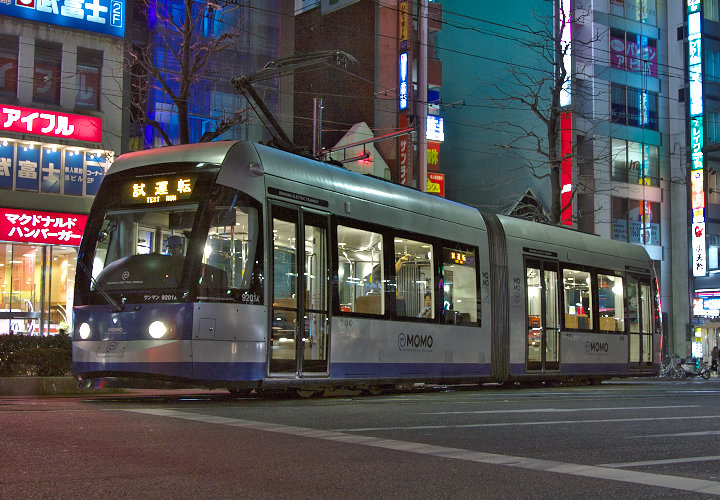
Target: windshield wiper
116	306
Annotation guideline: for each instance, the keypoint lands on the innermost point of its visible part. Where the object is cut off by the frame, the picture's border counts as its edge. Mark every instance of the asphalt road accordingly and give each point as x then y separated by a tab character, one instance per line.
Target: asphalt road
636	440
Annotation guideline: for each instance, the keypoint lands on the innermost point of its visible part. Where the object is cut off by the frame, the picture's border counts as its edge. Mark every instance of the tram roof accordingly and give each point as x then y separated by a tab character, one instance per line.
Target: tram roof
571	239
307	171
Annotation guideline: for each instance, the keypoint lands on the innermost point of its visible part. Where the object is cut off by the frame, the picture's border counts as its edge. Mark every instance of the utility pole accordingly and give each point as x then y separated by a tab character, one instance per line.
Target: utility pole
422	96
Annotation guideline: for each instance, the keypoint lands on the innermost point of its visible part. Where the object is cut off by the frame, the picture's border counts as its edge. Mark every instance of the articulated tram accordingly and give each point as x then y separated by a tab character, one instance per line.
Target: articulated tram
235	265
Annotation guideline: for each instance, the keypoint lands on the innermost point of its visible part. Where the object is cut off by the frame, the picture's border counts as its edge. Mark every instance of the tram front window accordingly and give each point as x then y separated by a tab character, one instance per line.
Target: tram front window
141	249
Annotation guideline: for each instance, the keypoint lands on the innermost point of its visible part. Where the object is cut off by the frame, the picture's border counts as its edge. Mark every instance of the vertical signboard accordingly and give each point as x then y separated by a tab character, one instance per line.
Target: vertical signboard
697	139
566	166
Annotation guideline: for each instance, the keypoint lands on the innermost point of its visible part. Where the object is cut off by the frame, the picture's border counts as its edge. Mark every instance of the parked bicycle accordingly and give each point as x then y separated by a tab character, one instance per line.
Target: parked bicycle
671	367
675	367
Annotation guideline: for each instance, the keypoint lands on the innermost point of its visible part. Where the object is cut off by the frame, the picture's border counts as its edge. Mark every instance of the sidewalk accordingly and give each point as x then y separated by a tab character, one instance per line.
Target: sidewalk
44	386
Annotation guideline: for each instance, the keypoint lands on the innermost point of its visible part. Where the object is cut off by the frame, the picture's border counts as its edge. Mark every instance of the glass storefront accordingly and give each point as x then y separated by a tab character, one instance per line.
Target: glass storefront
36	283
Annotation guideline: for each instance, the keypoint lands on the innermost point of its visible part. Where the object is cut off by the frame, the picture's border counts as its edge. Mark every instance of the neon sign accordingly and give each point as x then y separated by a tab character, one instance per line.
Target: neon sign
435	130
100	16
403	88
50	123
697	140
30	226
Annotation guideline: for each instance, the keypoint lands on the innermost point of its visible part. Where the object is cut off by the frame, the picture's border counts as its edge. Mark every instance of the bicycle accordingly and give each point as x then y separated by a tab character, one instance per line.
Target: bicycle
671	367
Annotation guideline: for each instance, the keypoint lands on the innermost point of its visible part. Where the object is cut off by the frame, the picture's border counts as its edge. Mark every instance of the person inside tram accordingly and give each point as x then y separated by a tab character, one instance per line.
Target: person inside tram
426	312
175	246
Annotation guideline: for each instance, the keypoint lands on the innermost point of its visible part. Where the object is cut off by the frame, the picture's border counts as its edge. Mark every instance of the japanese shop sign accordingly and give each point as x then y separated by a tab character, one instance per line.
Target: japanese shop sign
28	169
637	54
29	226
433	156
436	183
50	123
697	140
101	16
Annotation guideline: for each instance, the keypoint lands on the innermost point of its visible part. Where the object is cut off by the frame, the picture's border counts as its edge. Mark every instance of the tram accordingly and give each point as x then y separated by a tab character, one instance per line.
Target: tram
236	265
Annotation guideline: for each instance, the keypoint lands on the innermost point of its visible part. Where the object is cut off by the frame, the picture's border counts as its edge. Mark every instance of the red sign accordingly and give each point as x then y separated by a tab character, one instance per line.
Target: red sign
52	228
50	123
433	156
566	149
436	183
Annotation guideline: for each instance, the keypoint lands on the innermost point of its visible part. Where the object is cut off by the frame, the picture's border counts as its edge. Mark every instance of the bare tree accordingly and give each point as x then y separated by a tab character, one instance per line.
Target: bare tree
188	58
539	90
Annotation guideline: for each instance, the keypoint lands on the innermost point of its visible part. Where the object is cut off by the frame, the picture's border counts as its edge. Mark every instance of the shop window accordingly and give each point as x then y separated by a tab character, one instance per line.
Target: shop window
611	306
414	280
635	221
361	276
8	66
46	77
89	66
635	163
36	288
711	10
459	285
578	300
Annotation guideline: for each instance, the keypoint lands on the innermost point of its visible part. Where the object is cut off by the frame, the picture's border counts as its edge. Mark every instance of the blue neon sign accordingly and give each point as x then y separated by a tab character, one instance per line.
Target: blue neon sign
403	87
100	16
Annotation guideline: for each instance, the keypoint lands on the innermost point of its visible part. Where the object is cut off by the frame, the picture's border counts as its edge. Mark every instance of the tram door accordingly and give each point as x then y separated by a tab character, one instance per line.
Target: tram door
640	321
543	338
299	321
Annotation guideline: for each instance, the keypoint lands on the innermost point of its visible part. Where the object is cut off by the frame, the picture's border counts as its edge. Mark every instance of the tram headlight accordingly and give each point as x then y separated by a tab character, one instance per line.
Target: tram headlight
157	329
84	331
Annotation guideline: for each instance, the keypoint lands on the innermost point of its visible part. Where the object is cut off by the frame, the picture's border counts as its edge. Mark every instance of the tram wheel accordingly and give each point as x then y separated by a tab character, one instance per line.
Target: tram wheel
305	393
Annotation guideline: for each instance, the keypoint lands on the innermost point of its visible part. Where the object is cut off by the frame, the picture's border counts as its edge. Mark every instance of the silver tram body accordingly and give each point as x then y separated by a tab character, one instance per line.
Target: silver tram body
299	274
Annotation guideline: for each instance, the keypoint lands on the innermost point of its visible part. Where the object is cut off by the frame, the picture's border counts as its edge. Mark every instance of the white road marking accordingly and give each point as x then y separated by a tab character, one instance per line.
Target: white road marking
663	462
556	410
592	471
539	422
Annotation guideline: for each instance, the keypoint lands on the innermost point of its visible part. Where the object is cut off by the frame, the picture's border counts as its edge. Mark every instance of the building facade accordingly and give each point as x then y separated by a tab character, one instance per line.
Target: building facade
60	127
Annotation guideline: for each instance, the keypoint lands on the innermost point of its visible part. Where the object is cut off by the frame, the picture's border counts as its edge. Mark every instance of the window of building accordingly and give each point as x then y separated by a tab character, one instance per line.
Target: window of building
634	107
611	305
578	299
89	66
712	124
711	69
644	11
8	66
414	279
635	163
711	10
635	221
459	285
46	78
632	52
361	285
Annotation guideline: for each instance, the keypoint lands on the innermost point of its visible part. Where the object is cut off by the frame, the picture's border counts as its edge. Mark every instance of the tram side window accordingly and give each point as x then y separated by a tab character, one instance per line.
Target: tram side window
460	301
230	255
578	299
361	276
611	304
414	279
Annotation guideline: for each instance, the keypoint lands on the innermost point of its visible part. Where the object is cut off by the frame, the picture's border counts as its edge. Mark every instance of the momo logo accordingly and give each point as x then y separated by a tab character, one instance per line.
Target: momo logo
415	342
596	347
